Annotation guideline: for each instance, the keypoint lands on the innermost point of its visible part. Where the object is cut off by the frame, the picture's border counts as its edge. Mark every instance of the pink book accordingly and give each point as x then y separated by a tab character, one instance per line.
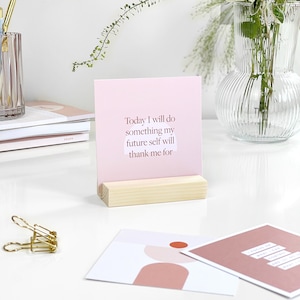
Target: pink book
148	128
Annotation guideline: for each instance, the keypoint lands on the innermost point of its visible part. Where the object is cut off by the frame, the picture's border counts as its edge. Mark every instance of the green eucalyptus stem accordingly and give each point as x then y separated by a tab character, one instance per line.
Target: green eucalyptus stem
99	51
263	29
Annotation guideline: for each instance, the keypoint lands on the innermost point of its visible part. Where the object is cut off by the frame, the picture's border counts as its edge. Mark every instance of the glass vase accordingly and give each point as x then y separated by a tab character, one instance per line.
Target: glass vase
259	100
12	104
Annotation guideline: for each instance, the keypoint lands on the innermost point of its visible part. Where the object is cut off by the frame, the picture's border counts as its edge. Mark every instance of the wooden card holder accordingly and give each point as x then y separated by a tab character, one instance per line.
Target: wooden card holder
147	191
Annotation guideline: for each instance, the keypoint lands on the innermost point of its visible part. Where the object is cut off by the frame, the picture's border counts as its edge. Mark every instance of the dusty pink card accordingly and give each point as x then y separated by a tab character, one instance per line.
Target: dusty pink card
266	255
148	128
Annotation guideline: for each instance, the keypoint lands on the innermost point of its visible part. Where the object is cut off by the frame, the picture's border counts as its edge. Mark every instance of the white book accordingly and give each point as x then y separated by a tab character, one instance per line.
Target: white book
33	142
40	112
45	130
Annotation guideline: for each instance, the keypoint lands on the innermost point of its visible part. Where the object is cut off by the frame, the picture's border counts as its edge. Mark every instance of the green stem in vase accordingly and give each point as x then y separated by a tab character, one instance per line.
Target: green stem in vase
263	29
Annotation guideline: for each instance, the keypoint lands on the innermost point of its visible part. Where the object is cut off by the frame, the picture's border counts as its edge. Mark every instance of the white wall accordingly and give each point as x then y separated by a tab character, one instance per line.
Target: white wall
56	33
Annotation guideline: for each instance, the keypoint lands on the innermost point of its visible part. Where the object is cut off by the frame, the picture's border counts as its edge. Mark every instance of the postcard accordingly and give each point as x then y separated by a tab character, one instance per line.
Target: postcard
153	259
266	256
148	128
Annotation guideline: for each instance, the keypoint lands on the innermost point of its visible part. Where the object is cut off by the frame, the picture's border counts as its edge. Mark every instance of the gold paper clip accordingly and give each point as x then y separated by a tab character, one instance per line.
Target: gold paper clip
38	231
43	240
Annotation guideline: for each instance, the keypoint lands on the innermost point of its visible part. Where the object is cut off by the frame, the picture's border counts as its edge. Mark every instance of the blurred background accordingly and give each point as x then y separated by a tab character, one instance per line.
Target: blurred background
154	43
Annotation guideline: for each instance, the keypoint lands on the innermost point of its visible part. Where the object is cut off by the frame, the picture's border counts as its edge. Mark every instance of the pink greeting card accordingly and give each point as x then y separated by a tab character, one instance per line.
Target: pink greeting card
266	255
148	128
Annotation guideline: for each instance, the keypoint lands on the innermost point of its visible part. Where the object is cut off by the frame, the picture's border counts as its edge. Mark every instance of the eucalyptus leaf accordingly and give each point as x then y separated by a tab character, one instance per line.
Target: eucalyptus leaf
278	13
250	29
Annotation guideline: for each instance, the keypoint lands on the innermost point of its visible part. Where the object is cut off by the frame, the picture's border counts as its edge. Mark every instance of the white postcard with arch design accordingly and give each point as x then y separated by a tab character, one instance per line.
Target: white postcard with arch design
154	259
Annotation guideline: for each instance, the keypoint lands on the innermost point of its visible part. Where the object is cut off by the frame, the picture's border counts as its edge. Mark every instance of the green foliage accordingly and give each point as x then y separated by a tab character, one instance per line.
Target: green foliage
203	55
262	28
217	33
99	52
251	29
278	13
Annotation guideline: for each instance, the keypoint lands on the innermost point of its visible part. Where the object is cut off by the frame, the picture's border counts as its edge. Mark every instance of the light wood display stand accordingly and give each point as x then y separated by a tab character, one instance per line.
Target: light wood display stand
148	191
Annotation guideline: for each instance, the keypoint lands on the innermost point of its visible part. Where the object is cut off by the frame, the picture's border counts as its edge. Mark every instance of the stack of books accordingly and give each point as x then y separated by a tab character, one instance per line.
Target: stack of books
45	123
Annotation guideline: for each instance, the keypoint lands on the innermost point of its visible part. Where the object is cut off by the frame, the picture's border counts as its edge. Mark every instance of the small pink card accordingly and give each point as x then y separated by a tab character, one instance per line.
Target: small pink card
148	128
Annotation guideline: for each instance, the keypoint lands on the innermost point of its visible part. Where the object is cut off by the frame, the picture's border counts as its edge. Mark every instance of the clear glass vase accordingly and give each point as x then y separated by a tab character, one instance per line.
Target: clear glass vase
12	104
259	100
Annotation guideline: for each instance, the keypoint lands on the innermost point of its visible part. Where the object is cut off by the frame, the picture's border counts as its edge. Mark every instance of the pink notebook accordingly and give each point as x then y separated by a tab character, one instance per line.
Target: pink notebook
148	128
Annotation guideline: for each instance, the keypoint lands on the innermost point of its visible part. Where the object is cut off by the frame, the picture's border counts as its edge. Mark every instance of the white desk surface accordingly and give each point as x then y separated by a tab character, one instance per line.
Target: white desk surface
249	184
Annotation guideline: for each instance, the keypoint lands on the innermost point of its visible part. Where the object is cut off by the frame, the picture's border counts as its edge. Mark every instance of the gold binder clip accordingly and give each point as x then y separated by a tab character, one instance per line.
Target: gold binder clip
34	246
38	231
42	240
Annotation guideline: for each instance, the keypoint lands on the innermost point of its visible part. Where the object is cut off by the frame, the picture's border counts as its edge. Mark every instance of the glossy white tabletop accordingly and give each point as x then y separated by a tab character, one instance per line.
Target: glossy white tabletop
249	184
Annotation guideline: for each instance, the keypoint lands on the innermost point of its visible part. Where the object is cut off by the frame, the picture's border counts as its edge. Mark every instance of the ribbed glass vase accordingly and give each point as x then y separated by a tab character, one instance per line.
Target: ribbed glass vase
259	100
